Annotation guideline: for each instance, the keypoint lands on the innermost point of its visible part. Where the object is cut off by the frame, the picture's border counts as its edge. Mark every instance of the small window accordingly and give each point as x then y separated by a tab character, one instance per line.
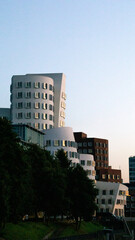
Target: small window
110	201
63	105
44	85
20	105
104	192
28	115
44	105
56	143
28	94
50	126
50	107
50	97
44	126
90	144
37	94
37	125
103	201
89	150
89	172
20	115
79	144
28	84
44	95
44	116
83	162
19	84
89	163
37	105
37	115
19	95
84	144
28	105
50	87
50	117
37	84
111	192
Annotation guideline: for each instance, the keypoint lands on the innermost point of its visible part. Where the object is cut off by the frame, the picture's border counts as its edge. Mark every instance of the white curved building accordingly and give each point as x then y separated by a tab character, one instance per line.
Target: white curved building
58	138
88	164
38	100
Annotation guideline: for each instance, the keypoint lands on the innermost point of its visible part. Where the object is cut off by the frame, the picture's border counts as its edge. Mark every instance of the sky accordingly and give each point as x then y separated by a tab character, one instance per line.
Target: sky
93	43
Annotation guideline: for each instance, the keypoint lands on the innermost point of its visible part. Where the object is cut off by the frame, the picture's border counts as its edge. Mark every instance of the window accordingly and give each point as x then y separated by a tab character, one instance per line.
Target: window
19	84
56	143
37	94
84	144
83	162
44	95
103	176
20	105
44	105
64	95
37	105
85	151
88	163
44	85
110	201
50	117
50	126
20	115
44	126
90	144
37	125
50	87
88	172
44	116
104	192
50	97
37	84
50	107
28	94
63	105
63	143
103	201
28	115
111	192
118	201
62	124
48	143
28	84
79	144
37	115
89	150
109	176
28	105
19	95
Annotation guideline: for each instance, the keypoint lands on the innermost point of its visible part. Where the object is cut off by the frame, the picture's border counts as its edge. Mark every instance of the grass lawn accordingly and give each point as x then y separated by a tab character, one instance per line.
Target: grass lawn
36	231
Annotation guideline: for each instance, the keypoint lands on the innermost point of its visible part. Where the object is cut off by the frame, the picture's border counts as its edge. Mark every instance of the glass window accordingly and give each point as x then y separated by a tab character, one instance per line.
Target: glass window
63	105
37	105
37	94
63	143
44	105
44	126
37	115
103	201
56	143
50	107
50	117
44	95
79	144
28	94
28	105
85	151
89	150
50	97
37	84
20	115
44	116
44	85
28	84
84	144
28	115
50	87
19	84
104	192
83	162
48	143
90	144
20	105
89	172
110	201
111	192
37	125
88	163
19	95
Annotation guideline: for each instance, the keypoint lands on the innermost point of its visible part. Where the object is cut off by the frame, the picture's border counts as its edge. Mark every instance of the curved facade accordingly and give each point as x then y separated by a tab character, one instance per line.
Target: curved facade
58	138
88	164
38	100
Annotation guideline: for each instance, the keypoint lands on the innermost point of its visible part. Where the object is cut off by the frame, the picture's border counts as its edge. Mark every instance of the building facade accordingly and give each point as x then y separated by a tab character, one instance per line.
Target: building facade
28	134
111	197
132	169
38	100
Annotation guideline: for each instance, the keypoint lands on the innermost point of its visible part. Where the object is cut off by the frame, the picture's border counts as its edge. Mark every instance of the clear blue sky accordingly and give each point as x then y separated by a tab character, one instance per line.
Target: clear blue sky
93	43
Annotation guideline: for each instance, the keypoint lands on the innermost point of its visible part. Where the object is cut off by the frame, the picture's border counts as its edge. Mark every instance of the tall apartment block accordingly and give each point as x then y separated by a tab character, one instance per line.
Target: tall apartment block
38	100
99	149
132	169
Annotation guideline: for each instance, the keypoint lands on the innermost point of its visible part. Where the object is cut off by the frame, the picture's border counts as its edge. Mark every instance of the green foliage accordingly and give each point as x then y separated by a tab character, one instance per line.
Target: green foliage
32	181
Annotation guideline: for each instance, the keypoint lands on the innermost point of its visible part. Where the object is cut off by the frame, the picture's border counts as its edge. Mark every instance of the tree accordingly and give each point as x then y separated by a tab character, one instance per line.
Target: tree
82	195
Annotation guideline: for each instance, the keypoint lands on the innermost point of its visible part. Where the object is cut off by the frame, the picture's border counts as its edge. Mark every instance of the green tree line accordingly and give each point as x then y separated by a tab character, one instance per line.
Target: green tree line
31	180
